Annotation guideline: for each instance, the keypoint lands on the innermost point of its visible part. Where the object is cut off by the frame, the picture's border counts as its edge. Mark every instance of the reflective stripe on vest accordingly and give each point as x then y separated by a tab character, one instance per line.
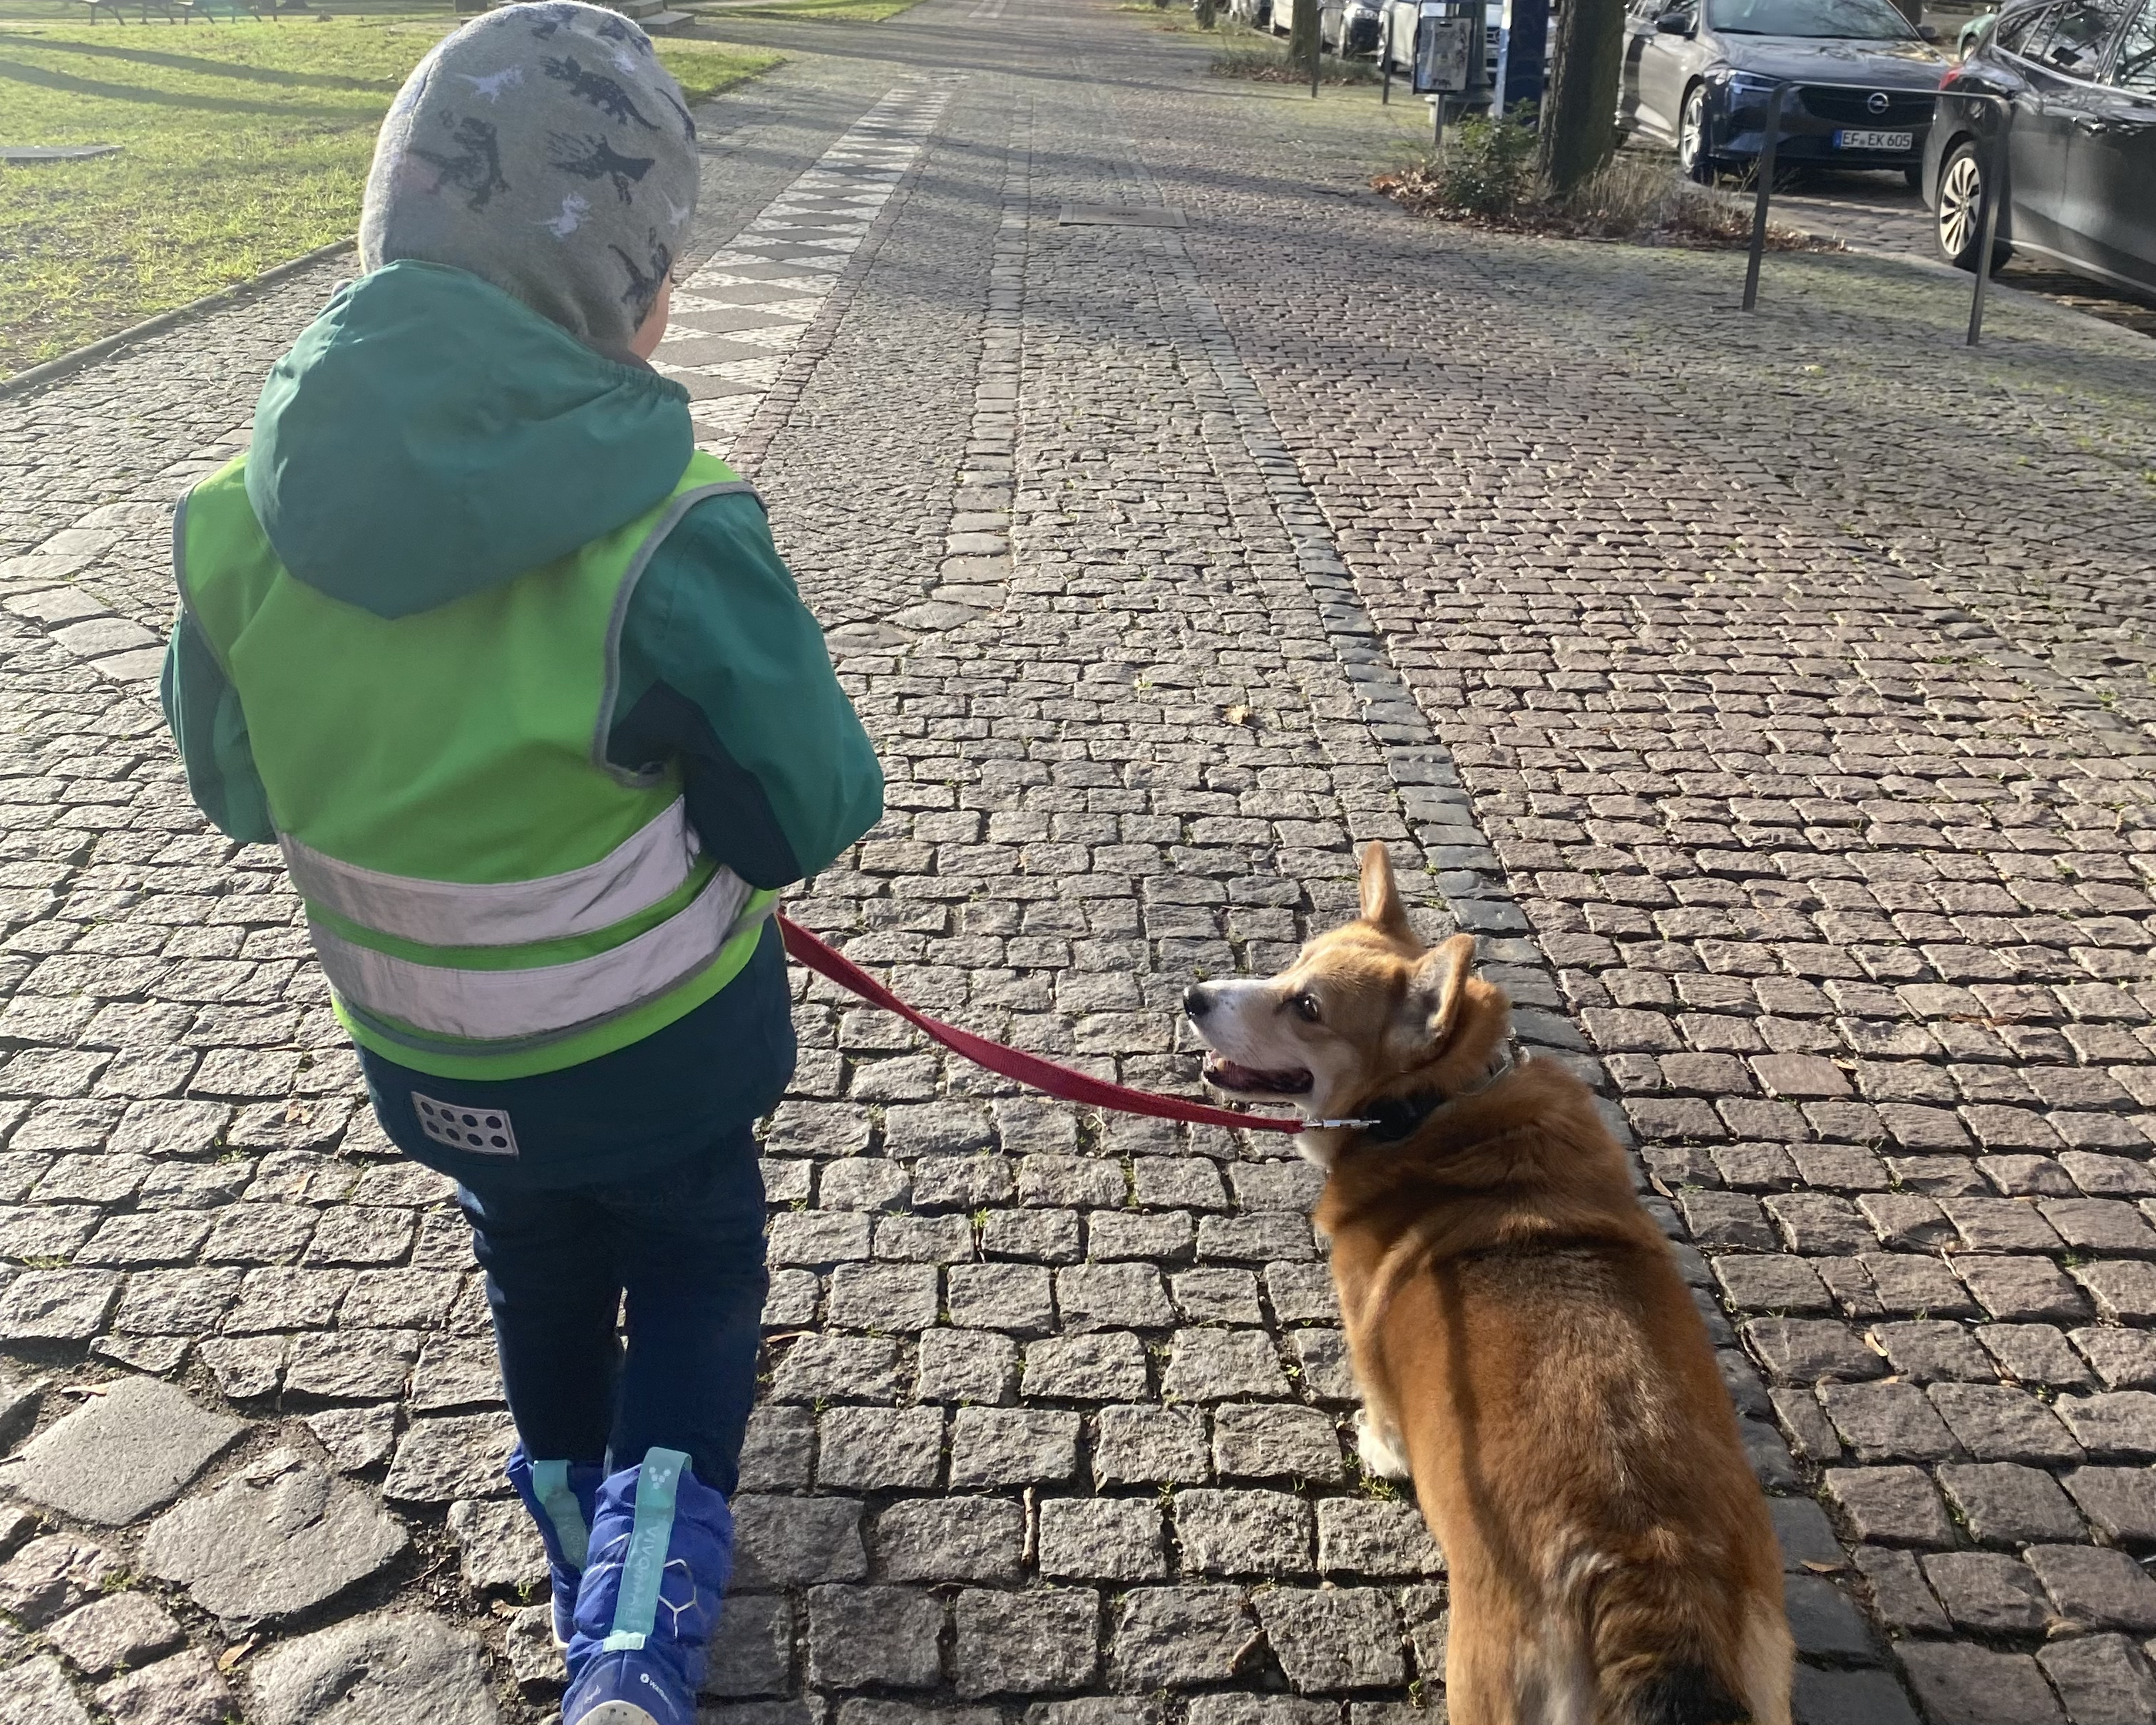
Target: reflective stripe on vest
471	920
511	1005
639	873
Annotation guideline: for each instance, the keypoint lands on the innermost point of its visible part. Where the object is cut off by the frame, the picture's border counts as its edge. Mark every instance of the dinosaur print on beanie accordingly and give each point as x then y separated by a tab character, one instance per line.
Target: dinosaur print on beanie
544	149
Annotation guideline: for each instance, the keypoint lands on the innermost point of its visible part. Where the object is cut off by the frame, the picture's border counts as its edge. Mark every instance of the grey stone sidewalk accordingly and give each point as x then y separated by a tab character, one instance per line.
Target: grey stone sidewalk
1768	693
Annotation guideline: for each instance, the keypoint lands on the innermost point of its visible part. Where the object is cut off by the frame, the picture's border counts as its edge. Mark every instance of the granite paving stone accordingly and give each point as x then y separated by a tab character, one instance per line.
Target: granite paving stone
37	1692
498	1547
122	1630
863	1636
440	1461
979	1539
2102	1679
277	1541
52	1575
131	1447
376	1669
186	1689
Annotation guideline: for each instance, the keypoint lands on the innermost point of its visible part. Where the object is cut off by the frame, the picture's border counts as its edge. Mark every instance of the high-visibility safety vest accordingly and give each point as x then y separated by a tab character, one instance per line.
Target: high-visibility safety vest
490	896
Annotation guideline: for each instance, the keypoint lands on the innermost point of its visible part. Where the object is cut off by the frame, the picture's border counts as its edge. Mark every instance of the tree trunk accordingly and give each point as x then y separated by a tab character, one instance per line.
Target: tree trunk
1302	32
1206	11
1579	112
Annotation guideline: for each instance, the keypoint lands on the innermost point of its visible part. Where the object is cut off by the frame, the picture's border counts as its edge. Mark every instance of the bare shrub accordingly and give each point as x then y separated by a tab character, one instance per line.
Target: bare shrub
1484	177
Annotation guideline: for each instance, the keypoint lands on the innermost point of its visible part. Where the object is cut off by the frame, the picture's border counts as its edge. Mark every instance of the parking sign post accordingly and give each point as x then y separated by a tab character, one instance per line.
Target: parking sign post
1448	54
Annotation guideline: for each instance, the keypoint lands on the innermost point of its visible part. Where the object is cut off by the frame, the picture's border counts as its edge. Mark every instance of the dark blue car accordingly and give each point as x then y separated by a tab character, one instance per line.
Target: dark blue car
1699	75
2073	85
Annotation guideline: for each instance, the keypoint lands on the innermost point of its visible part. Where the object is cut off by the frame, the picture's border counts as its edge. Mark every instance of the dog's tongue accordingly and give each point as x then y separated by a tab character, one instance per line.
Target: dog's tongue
1230	1076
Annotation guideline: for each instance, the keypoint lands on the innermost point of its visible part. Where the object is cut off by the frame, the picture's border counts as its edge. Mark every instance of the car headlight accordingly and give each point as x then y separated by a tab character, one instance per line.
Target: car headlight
1749	85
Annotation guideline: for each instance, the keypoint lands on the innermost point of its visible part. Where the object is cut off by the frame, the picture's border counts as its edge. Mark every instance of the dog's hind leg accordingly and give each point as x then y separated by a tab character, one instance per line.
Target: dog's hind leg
1501	1670
1768	1657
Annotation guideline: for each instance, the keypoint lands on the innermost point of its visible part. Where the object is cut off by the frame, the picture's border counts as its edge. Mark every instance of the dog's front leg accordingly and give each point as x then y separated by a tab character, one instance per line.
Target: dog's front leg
1379	1443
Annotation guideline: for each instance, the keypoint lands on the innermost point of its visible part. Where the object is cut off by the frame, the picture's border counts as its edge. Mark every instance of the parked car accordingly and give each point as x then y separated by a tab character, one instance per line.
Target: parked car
1523	88
1699	75
1345	27
1971	34
2077	81
1256	13
1354	28
1400	44
1281	19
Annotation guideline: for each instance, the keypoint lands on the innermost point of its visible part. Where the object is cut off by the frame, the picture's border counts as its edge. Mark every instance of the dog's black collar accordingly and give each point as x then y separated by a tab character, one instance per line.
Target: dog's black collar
1397	1118
1392	1119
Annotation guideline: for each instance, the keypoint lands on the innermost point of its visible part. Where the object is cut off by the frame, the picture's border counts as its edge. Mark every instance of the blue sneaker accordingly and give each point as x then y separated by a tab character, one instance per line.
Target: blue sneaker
562	1496
662	1548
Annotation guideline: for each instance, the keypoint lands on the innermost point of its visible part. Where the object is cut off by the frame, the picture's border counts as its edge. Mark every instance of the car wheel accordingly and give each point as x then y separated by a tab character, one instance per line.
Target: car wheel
1692	157
1958	222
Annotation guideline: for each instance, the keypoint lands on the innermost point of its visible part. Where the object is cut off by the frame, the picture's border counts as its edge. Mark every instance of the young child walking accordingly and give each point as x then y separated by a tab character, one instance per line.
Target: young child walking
517	681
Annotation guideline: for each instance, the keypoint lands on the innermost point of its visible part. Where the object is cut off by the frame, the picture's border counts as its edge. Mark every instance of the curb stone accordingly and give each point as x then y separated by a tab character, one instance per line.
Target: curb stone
53	370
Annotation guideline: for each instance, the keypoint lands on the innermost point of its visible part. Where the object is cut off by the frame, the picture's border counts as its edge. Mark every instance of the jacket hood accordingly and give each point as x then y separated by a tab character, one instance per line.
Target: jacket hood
429	436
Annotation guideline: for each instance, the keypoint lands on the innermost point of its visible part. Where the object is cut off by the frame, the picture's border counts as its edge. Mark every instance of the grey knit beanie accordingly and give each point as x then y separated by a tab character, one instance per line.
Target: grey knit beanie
545	150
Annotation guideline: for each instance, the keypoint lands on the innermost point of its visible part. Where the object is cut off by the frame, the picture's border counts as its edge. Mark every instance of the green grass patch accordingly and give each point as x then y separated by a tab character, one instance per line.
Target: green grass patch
245	144
847	11
1175	18
1264	60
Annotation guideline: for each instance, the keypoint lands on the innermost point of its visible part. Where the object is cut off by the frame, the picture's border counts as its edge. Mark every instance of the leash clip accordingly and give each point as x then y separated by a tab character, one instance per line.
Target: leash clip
1314	1125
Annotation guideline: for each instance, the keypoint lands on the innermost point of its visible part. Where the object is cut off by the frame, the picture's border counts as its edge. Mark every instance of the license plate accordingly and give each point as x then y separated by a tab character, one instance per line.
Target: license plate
1901	140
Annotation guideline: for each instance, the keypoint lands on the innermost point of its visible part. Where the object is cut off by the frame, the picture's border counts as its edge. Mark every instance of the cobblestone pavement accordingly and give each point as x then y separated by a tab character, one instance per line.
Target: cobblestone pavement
1772	694
1871	211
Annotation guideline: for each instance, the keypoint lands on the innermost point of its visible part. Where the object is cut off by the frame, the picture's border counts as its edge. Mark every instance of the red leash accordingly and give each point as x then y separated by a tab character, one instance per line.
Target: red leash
1031	1070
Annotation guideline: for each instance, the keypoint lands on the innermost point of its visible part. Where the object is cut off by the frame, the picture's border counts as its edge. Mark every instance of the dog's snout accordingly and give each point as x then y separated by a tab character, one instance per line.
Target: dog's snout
1196	1002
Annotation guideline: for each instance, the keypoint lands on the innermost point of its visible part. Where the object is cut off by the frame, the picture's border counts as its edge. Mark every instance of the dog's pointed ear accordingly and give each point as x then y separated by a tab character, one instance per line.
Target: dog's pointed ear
1440	984
1381	898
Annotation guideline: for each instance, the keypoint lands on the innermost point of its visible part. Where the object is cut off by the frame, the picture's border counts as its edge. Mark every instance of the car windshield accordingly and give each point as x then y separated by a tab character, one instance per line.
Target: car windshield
1860	20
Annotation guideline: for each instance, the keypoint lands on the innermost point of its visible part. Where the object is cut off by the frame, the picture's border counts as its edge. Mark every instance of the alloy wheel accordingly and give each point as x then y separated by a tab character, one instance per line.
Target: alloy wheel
1961	203
1692	132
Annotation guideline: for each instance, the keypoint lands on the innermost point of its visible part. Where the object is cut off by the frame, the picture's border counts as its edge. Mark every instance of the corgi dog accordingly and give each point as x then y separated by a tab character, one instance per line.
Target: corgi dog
1525	1349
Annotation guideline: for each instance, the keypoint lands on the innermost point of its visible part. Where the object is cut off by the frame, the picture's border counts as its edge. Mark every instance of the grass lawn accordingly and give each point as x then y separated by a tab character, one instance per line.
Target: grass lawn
247	144
1175	18
851	11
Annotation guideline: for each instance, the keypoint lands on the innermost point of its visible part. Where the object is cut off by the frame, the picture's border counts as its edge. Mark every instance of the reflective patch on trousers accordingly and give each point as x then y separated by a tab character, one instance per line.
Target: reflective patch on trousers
479	1132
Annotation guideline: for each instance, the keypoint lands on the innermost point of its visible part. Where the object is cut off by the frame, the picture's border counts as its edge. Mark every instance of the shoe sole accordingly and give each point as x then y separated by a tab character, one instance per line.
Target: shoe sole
616	1712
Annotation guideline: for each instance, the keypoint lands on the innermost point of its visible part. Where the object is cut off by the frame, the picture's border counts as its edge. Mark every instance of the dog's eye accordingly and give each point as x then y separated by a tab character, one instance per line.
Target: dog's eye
1306	1006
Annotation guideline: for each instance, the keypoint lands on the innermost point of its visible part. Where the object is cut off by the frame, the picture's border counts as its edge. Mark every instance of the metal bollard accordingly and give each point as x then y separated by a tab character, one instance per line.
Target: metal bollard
1987	215
1385	64
1766	171
1986	231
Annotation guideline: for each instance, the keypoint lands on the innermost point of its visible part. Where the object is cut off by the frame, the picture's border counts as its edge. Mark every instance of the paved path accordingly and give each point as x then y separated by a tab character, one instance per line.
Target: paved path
1772	694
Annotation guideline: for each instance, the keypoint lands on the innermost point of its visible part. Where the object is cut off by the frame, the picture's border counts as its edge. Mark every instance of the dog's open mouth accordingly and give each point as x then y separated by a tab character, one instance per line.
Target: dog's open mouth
1248	1081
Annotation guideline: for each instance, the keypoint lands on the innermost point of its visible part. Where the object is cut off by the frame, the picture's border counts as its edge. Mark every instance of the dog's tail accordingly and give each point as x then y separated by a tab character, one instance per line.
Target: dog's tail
1660	1657
1686	1692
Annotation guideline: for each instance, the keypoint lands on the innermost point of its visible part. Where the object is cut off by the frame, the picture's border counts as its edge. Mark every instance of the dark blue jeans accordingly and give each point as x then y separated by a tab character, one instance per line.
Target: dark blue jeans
685	1245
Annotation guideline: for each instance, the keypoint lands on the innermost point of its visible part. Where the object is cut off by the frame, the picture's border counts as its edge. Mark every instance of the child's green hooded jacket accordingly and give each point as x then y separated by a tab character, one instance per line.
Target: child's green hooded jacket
537	715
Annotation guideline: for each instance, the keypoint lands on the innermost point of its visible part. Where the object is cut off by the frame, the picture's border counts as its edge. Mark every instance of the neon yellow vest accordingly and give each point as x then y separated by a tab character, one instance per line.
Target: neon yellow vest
490	896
